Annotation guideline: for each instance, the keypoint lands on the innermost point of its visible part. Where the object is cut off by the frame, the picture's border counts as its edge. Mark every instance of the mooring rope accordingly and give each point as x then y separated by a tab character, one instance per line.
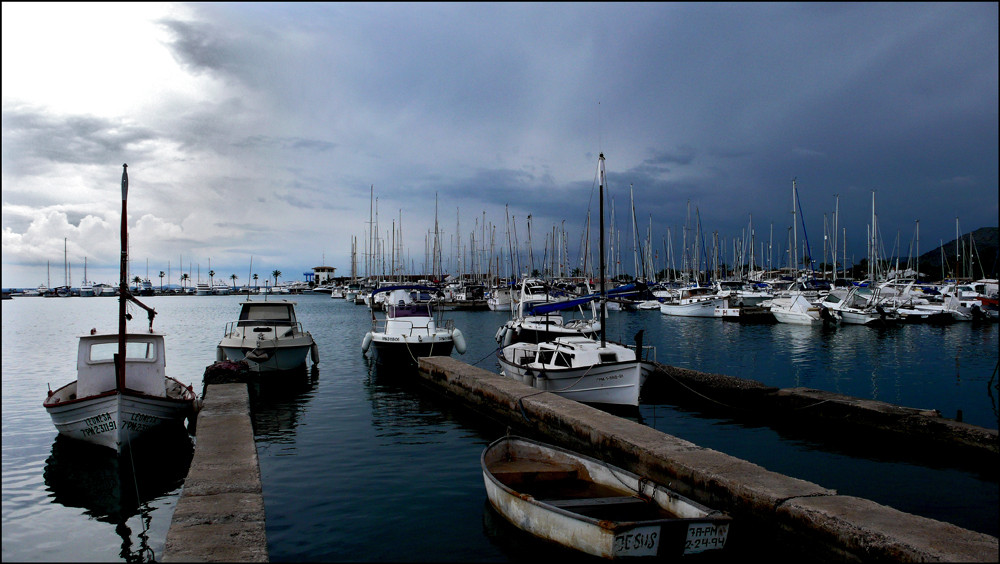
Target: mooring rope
142	515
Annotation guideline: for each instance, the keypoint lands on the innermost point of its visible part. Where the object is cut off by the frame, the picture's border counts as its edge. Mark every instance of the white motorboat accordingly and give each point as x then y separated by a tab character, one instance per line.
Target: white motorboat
268	336
695	301
857	308
122	393
539	317
795	309
500	298
595	507
412	327
586	369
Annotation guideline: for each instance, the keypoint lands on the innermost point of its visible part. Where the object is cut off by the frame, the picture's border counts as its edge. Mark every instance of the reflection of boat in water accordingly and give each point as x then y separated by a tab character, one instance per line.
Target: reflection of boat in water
276	400
113	489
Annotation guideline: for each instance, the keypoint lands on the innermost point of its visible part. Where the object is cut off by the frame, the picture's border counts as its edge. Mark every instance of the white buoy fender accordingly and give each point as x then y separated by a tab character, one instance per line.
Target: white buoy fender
314	353
366	342
508	338
500	332
459	340
220	354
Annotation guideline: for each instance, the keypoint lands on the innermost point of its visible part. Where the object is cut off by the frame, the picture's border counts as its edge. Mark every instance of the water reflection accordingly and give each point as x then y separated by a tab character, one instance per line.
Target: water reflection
519	546
277	400
399	409
112	489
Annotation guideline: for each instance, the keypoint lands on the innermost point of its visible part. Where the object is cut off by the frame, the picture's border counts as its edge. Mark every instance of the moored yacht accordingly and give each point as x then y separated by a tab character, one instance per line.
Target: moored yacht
412	327
268	336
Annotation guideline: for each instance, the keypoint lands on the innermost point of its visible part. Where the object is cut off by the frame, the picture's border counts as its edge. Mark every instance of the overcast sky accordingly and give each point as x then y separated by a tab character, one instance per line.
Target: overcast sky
257	131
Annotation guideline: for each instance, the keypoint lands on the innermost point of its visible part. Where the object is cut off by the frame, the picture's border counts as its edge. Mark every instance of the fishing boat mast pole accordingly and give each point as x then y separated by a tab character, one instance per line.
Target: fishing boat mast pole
122	285
600	171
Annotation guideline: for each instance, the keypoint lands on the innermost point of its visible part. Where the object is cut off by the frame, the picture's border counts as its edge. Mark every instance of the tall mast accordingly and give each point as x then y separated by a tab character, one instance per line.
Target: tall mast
795	236
600	171
122	284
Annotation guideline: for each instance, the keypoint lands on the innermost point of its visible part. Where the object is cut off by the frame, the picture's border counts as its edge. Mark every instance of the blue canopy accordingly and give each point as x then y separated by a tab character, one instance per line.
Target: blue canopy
548	307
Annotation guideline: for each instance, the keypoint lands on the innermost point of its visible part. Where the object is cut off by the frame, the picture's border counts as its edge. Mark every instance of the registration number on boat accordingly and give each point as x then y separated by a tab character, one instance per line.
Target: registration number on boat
641	541
705	536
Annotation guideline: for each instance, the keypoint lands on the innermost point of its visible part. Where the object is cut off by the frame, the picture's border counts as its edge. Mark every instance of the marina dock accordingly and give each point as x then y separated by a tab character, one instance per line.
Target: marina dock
822	525
220	514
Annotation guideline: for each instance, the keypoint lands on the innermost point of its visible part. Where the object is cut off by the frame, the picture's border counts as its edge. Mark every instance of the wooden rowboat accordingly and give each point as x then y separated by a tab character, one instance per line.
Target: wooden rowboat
591	506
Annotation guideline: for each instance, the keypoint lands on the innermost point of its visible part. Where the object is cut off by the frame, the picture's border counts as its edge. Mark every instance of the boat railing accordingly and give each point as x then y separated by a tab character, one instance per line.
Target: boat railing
273	328
380	326
645	354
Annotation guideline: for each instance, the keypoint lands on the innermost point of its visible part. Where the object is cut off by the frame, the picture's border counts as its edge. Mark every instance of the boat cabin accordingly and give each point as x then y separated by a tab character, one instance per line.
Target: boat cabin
279	313
144	364
567	352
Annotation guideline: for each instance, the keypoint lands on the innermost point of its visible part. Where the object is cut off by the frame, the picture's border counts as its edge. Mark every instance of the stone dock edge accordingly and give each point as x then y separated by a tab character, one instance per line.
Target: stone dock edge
220	514
803	517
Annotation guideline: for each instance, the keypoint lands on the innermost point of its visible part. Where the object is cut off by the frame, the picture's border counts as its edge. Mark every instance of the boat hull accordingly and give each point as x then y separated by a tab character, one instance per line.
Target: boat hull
537	488
404	352
702	308
116	420
267	358
614	383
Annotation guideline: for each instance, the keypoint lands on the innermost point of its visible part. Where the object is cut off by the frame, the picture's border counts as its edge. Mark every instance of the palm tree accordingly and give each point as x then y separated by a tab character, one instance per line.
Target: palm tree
255	281
184	278
211	274
162	274
234	277
137	281
276	274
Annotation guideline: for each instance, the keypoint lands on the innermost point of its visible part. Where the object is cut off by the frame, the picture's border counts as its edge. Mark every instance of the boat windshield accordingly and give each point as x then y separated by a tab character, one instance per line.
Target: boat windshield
272	314
100	352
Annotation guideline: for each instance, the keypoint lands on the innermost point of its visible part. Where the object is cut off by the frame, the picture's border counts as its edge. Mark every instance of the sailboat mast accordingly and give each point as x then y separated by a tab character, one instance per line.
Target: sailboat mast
122	287
600	171
795	236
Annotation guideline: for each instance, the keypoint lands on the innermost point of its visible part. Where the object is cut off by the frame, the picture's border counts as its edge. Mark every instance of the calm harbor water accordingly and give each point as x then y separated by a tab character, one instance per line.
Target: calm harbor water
362	465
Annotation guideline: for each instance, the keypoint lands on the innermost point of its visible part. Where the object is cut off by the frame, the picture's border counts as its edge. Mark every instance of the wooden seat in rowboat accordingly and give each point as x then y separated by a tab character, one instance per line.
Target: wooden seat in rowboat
596	501
514	472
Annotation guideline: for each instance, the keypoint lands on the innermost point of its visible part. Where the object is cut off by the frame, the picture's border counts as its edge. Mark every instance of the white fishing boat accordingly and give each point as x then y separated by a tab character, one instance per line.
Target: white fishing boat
695	301
412	328
578	368
594	507
122	393
586	369
268	336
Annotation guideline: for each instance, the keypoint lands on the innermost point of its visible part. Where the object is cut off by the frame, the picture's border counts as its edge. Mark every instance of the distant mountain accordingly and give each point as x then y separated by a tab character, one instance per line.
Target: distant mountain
982	245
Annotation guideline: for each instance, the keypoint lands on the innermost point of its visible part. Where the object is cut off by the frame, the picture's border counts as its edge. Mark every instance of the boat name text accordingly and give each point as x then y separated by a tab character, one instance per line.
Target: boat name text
99	424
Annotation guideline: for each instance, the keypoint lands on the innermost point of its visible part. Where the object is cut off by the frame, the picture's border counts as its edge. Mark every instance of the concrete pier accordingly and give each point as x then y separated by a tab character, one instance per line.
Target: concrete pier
770	508
220	514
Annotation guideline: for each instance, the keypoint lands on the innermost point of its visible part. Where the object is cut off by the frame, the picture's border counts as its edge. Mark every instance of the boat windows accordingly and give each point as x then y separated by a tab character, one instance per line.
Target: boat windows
134	351
266	314
562	359
545	357
608	357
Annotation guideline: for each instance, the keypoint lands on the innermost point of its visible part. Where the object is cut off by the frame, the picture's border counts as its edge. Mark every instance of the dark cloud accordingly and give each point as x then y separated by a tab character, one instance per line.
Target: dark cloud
34	140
